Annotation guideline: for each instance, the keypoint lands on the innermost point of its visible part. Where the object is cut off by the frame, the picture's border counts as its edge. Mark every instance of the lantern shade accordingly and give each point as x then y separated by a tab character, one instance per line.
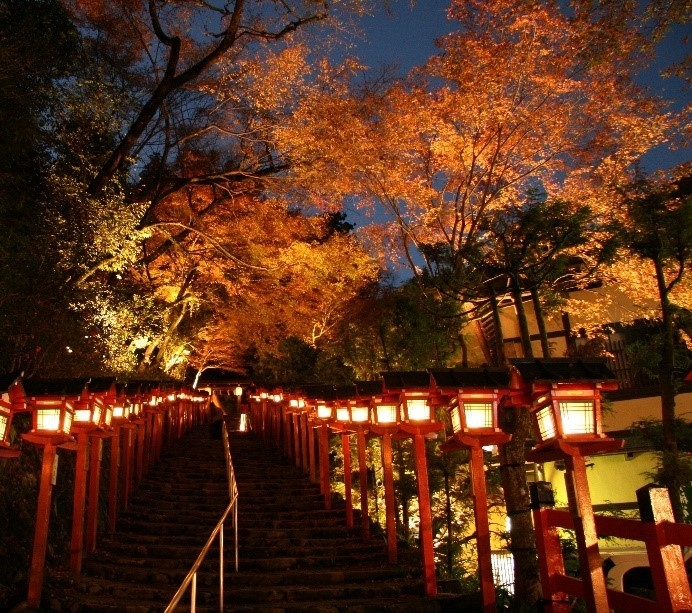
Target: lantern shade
238	391
53	418
118	411
324	411
417	410
108	416
474	412
342	413
5	421
360	413
567	412
385	413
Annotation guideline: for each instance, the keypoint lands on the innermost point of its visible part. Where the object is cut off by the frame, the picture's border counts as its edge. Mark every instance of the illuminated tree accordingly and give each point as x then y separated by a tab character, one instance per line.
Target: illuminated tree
524	96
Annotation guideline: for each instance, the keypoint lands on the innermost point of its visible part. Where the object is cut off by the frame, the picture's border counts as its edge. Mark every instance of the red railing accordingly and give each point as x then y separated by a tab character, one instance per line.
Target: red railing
663	539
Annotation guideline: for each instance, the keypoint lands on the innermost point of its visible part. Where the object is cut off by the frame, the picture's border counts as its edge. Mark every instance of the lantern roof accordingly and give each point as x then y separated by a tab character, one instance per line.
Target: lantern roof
406	380
56	388
369	388
12	386
563	370
460	378
329	392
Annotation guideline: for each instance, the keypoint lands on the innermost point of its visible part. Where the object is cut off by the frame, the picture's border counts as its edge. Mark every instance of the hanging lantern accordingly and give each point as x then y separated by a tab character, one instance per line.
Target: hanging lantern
385	413
416	408
567	411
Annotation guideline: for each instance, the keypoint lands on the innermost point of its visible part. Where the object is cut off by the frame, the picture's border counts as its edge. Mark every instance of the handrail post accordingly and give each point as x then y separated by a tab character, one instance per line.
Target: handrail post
550	560
665	559
221	569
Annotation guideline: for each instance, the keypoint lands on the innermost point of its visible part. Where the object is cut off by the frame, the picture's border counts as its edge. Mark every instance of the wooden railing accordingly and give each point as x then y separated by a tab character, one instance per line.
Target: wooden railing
190	581
663	539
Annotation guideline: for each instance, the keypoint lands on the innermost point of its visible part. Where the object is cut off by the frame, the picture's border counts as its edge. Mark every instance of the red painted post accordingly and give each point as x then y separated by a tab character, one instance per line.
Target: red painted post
127	464
550	561
79	502
324	465
311	454
113	471
296	438
348	494
363	473
425	525
94	483
579	499
390	515
480	512
38	556
141	448
665	560
304	428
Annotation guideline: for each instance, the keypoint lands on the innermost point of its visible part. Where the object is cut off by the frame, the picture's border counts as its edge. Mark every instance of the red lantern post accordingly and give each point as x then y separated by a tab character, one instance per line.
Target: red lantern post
474	395
565	401
51	426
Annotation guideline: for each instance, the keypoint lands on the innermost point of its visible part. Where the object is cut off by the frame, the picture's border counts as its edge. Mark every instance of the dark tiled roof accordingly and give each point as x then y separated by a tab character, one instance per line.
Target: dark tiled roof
459	378
101	384
329	392
563	369
55	387
369	388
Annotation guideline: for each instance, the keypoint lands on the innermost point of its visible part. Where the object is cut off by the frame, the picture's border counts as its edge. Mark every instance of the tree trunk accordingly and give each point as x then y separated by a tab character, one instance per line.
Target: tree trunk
540	321
670	456
524	332
499	337
527	589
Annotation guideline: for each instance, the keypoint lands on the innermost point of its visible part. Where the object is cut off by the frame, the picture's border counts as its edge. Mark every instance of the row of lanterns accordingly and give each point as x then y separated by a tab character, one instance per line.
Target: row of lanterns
77	415
563	396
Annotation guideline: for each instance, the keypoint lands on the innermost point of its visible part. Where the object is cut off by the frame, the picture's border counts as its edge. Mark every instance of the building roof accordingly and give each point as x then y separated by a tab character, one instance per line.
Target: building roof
563	369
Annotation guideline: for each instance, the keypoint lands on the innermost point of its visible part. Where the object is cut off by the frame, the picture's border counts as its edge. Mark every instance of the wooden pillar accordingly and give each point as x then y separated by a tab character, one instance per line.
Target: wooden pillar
389	502
113	475
480	512
295	418
304	428
363	472
311	454
38	556
79	502
141	448
665	560
425	519
550	560
591	565
324	465
348	494
93	502
130	431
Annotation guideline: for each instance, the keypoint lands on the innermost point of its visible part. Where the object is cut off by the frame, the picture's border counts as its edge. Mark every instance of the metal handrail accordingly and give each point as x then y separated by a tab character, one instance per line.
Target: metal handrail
190	580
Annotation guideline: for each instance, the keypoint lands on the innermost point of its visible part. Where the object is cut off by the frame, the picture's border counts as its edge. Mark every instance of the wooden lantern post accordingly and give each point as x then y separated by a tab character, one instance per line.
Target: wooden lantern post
418	421
564	396
385	423
474	395
51	426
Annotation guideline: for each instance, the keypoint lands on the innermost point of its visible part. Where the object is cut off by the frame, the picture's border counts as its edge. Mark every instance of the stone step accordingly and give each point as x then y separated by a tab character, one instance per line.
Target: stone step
294	555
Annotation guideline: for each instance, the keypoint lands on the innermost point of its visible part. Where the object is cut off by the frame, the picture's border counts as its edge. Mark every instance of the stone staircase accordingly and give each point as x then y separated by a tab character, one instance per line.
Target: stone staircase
295	556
